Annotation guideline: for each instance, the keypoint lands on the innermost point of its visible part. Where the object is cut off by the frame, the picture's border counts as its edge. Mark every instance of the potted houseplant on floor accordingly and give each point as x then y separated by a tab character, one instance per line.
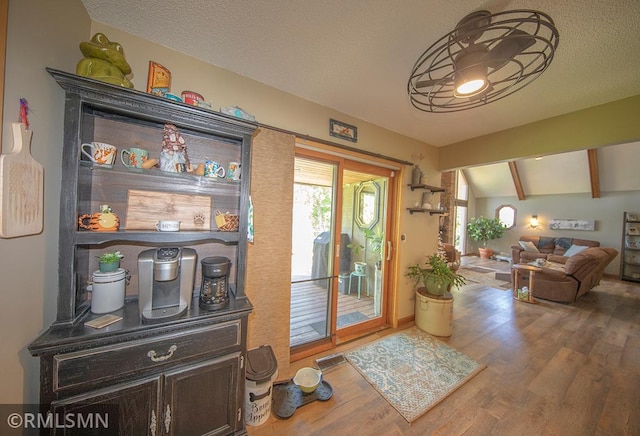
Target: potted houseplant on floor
109	262
434	304
483	229
436	277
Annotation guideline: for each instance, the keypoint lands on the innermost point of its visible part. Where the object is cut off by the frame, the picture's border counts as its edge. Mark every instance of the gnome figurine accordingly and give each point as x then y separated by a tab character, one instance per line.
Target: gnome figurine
174	157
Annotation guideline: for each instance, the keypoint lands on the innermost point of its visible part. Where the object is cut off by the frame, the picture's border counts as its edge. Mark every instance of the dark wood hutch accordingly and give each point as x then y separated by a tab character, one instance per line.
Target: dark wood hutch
184	376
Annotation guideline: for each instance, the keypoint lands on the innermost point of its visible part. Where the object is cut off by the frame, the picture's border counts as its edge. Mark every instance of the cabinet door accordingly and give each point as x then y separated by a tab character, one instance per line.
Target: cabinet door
135	406
203	398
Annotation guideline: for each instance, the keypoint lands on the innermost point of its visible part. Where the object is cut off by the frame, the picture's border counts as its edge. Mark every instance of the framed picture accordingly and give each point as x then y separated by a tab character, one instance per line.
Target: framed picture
159	79
572	224
632	230
343	130
632	217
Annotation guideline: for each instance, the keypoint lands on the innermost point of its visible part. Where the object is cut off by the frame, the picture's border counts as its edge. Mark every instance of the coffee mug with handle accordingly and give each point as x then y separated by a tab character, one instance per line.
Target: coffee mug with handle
213	169
133	157
99	152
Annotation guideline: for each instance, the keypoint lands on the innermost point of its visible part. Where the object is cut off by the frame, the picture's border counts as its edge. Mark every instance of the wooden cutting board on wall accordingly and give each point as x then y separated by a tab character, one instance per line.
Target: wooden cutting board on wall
21	188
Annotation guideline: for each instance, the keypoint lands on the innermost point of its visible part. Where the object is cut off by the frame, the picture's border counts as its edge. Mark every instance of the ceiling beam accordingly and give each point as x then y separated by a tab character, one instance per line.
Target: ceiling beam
516	179
594	175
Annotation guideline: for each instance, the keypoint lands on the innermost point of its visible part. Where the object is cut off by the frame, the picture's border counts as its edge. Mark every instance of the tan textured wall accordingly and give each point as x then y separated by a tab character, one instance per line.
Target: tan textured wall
268	279
607	124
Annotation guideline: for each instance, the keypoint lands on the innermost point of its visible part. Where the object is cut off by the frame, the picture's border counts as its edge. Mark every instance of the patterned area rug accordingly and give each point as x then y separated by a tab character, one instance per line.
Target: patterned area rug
483	276
412	370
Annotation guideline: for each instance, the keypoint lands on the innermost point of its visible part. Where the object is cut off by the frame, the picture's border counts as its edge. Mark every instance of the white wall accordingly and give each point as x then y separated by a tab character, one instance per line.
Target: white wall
607	211
40	33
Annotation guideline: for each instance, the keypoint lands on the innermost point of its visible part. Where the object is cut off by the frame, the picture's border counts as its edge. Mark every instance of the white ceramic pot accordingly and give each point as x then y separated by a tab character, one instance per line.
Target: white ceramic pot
107	291
434	315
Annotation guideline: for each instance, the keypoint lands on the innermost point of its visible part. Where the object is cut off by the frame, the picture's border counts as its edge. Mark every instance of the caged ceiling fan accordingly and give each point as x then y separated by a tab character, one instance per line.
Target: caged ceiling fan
485	58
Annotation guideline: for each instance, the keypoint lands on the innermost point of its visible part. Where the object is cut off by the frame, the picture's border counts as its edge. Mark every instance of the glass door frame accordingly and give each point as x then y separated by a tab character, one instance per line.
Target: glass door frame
350	331
337	336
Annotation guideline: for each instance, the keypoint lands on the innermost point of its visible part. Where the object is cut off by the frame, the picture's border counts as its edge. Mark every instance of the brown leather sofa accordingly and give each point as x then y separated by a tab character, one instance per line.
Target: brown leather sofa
565	279
546	246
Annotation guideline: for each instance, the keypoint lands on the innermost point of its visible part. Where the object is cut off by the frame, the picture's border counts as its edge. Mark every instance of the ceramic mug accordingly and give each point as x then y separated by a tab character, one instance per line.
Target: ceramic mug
213	169
168	226
99	152
133	157
233	173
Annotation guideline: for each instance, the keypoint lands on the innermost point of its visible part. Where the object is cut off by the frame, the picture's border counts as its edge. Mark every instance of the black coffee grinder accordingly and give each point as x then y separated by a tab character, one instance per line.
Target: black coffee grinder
214	290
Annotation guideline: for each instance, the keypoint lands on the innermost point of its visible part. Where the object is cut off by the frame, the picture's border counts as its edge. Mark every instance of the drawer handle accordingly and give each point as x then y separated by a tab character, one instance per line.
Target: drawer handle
161	358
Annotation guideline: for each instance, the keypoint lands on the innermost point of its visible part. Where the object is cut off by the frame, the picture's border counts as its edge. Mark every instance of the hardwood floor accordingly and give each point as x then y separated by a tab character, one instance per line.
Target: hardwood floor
552	369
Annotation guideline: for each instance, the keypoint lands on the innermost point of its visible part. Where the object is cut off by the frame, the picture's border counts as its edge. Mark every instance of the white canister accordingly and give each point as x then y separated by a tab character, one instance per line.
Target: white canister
107	291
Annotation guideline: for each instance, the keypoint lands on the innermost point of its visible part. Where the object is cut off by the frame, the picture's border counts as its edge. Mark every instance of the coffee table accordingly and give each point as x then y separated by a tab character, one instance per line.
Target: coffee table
522	268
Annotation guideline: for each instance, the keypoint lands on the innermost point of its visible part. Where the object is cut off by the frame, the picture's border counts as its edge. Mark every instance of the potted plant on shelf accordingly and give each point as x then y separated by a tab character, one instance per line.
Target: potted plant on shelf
483	229
109	262
356	248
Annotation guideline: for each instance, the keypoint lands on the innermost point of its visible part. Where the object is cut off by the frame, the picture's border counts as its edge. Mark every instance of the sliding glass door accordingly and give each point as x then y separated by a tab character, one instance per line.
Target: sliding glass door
363	225
340	247
314	198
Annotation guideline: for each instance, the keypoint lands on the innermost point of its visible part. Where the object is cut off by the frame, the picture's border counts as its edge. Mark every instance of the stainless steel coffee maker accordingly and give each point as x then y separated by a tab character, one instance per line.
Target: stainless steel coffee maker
165	282
214	289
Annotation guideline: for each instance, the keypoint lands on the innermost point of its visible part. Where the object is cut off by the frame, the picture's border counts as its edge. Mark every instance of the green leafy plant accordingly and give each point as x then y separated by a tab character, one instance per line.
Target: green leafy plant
355	247
375	239
437	272
111	257
483	229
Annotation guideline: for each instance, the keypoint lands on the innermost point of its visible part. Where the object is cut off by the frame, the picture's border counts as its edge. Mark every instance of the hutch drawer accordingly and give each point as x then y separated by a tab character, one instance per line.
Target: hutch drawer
105	364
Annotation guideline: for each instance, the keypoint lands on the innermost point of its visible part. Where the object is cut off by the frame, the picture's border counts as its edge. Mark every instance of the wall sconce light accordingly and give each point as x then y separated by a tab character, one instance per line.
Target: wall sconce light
533	222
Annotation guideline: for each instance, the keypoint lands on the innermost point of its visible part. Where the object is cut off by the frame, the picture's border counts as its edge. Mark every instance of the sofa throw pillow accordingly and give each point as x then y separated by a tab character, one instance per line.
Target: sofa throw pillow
529	246
574	249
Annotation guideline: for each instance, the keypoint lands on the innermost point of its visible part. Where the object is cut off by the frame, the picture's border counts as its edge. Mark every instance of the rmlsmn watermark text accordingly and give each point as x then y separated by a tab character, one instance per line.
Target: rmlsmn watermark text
102	417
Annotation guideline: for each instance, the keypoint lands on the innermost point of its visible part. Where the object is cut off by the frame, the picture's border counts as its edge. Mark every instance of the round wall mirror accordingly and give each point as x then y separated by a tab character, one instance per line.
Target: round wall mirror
506	213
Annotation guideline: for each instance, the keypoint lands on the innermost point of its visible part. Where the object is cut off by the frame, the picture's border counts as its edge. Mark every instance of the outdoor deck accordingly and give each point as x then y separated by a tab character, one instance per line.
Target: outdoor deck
309	309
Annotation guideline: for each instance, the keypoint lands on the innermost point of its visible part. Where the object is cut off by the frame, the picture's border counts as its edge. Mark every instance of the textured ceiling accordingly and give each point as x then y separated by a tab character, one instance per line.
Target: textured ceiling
355	56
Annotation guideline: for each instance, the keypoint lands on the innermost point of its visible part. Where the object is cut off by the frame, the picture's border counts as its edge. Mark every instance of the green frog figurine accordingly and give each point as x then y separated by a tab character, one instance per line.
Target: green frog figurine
104	60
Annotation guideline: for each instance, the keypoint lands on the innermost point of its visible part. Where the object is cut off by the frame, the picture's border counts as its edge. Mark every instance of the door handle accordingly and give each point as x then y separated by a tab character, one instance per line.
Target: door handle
389	248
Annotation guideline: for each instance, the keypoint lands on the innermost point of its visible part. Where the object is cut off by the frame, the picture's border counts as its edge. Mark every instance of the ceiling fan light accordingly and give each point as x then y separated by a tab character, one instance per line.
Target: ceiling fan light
471	72
486	58
471	88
